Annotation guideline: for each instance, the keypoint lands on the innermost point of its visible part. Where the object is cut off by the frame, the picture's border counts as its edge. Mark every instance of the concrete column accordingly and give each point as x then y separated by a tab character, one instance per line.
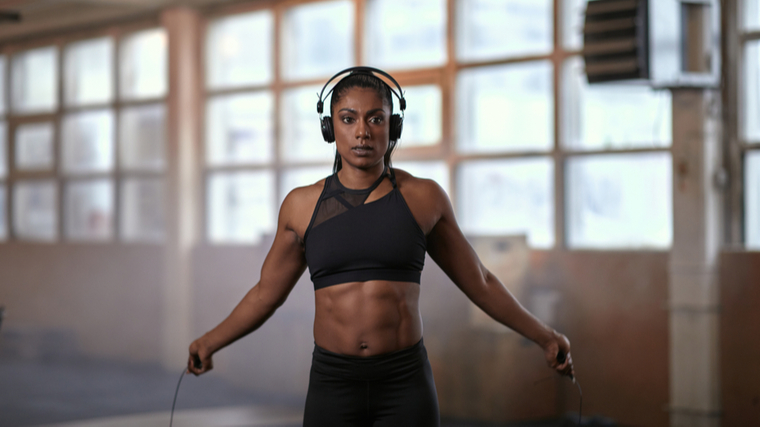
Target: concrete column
183	179
693	288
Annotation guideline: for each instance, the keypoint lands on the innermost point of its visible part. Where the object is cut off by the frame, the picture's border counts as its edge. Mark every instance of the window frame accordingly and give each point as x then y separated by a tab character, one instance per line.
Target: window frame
735	147
445	76
116	175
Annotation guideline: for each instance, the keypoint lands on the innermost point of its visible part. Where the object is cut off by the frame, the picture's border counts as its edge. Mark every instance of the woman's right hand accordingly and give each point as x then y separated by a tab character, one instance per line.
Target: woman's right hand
199	361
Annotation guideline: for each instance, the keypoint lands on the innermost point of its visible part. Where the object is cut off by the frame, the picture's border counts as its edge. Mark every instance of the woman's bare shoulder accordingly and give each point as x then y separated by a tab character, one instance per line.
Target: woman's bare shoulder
423	187
304	197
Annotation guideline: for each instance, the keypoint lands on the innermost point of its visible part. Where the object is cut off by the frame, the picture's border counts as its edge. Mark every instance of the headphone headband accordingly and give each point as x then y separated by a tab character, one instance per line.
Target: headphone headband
362	70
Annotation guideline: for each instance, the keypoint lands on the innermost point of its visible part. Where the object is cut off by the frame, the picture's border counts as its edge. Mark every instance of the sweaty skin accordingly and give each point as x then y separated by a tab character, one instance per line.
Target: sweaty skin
373	317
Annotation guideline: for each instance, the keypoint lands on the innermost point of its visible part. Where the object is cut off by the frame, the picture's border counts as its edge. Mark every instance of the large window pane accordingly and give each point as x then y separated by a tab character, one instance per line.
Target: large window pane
752	199
299	177
436	170
423	117
240	206
300	134
88	72
491	29
89	210
751	14
142	209
510	196
405	33
750	111
620	201
506	108
142	135
88	142
232	59
318	39
573	13
34	146
609	116
143	68
3	149
239	129
35	214
3	220
35	81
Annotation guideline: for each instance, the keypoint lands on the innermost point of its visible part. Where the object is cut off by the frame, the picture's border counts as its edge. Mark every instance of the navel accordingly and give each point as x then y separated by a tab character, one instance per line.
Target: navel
363	346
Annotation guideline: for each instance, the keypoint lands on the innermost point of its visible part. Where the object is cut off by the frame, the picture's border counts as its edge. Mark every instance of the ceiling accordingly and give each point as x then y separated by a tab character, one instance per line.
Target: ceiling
49	16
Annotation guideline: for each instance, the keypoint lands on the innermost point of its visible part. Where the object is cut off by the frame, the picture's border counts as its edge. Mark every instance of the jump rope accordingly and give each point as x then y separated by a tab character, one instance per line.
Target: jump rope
560	359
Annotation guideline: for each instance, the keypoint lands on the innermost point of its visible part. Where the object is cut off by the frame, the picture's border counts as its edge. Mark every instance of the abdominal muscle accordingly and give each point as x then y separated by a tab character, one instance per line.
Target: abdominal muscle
367	318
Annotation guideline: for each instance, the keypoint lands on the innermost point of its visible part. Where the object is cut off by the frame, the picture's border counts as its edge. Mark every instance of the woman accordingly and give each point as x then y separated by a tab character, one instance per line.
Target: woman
364	232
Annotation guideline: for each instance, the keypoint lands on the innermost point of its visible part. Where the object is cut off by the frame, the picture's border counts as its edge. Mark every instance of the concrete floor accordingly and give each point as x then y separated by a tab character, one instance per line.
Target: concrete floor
46	391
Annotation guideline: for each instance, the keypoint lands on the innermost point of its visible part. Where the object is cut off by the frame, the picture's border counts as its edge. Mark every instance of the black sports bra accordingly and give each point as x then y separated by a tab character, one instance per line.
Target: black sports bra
351	241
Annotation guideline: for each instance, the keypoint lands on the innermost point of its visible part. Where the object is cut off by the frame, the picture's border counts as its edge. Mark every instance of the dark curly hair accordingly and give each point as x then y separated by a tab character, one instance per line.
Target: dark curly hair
364	80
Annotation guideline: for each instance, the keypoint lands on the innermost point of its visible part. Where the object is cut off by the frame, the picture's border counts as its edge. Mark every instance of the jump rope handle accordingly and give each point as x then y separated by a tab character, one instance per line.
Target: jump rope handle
561	356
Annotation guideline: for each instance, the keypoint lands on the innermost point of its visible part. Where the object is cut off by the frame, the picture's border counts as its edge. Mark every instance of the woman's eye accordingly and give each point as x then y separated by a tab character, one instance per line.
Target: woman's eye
376	120
347	119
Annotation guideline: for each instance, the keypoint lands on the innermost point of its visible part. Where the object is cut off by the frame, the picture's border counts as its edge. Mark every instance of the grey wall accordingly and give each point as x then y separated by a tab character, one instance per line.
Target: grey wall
94	299
105	301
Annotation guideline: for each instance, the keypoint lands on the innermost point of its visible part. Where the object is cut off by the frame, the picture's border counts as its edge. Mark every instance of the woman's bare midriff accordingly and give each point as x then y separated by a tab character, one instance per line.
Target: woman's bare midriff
367	318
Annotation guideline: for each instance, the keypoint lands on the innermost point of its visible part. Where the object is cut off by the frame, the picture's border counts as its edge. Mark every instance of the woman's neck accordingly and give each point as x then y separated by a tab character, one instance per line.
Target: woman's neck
355	178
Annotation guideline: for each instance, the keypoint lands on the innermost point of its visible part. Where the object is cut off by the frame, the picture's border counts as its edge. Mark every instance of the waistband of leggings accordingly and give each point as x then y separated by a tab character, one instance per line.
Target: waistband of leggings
382	366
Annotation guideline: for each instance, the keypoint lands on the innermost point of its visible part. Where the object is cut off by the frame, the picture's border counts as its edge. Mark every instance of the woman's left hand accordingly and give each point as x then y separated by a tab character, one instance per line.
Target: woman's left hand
557	353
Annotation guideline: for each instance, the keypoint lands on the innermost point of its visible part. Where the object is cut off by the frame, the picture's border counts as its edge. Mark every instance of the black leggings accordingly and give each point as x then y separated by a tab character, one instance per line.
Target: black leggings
393	389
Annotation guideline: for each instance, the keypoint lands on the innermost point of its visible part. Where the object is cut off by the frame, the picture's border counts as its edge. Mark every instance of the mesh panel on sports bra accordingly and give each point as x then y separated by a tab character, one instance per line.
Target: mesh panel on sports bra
337	199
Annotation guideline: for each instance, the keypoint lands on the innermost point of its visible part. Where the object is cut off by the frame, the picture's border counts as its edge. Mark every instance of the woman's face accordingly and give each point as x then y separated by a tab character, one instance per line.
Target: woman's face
361	123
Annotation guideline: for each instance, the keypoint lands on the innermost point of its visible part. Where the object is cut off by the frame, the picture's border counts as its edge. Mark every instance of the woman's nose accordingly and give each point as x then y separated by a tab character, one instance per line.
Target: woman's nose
362	131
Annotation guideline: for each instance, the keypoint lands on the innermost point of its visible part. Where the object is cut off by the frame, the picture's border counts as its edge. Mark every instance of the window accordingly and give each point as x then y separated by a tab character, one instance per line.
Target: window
495	29
317	39
403	34
748	126
299	129
35	213
240	206
752	198
35	81
231	59
34	146
423	123
3	157
3	177
73	157
506	108
239	129
88	73
616	140
508	196
498	106
616	200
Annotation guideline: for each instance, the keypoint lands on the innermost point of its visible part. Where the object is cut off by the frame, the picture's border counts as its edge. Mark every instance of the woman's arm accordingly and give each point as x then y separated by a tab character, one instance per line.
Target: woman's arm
283	266
452	252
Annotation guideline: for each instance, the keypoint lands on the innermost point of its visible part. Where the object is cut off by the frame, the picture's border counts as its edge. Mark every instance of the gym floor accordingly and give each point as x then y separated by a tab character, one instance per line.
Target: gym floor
89	393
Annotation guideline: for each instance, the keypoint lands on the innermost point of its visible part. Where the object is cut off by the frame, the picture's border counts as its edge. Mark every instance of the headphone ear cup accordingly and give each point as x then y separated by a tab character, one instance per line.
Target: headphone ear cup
396	126
327	129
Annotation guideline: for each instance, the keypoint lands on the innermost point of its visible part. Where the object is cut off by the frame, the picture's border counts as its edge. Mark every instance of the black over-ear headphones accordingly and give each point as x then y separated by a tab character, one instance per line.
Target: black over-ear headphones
397	121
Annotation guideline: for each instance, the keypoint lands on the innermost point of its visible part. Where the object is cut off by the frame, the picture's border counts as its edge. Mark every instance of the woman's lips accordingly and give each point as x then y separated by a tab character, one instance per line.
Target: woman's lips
362	150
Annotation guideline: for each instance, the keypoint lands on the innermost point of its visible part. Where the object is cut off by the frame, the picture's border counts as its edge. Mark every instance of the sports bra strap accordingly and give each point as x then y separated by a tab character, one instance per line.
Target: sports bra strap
392	177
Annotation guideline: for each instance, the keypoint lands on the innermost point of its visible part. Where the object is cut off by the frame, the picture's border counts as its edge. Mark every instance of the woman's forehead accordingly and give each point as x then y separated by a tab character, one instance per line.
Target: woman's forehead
360	96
